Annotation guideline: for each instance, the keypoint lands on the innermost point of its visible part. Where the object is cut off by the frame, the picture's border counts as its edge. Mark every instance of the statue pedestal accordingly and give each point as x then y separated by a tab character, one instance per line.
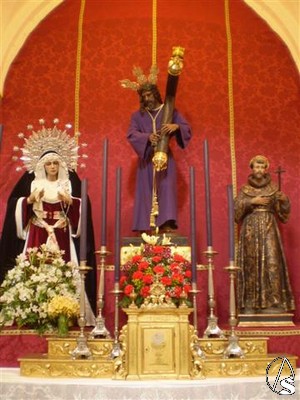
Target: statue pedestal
158	343
175	238
260	320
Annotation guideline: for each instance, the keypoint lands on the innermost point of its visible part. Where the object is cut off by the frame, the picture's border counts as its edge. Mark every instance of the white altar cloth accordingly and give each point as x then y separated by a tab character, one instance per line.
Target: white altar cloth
16	387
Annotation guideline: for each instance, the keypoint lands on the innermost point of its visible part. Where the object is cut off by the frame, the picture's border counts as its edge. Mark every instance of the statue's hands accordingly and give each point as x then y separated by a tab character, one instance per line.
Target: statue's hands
281	196
260	201
153	137
64	197
61	223
40	195
168	129
31	197
35	196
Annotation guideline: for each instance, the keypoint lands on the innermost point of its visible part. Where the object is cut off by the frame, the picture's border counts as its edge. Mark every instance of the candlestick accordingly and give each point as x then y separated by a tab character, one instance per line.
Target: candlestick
207	194
117	224
83	220
233	349
193	223
116	350
104	193
212	329
100	329
230	222
82	350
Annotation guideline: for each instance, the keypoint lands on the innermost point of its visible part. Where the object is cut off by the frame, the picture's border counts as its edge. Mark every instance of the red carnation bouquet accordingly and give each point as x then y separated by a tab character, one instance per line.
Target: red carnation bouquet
156	263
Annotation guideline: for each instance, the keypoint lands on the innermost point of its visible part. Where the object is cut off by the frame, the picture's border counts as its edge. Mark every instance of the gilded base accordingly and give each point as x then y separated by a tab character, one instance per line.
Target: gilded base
43	367
248	366
63	348
154	345
158	343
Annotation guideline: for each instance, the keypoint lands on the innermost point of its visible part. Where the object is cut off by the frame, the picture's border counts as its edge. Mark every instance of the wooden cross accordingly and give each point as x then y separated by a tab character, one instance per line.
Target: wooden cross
279	171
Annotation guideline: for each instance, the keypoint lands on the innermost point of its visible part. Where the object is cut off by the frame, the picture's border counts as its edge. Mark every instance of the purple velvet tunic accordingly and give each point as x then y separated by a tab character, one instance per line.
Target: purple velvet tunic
138	135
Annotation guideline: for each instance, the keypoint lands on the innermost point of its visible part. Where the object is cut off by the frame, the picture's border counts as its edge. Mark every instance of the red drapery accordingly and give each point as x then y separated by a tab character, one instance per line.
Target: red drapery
118	35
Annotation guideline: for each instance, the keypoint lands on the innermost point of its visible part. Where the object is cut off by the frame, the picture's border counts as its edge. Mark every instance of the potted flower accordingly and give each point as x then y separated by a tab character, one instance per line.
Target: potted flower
153	266
63	309
38	277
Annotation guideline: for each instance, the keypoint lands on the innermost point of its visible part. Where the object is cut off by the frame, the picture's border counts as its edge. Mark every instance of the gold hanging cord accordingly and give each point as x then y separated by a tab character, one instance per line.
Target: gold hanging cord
154	209
160	158
154	32
78	69
231	105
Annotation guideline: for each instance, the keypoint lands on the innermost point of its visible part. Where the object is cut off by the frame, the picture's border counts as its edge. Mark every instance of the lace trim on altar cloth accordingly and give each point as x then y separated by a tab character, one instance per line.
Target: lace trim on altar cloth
14	386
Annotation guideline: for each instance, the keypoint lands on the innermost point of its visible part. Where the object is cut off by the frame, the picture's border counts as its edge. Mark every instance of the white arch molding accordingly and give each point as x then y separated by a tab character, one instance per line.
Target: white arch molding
283	16
20	18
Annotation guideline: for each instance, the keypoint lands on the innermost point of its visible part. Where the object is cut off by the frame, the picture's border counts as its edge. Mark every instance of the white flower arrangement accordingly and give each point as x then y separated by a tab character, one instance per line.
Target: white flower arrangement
39	276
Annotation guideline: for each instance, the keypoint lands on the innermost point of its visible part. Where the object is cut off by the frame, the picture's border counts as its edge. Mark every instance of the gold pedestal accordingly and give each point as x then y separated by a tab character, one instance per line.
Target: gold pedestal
145	355
158	343
246	367
58	363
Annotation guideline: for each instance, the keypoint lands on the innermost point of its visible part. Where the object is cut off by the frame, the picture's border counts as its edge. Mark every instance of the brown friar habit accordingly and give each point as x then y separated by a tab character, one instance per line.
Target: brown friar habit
263	283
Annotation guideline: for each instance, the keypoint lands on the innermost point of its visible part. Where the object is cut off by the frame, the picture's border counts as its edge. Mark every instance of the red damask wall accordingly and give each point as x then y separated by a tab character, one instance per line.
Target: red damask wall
117	35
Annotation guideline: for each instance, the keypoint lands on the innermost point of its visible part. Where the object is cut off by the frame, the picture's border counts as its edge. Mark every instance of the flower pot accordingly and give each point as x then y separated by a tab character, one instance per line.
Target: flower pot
63	325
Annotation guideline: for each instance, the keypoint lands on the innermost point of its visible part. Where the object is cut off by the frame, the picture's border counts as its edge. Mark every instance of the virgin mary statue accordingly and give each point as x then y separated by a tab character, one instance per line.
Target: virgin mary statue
44	206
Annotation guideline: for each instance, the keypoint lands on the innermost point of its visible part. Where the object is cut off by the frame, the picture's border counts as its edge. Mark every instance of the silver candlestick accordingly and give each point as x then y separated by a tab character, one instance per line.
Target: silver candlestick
233	349
116	350
212	329
196	347
100	329
82	351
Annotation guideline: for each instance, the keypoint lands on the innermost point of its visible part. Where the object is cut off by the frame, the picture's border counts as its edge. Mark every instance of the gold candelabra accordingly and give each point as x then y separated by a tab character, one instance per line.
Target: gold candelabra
212	329
100	329
82	351
233	349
